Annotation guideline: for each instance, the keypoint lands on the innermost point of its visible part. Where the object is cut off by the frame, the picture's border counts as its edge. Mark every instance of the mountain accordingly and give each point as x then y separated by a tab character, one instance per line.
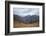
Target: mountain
26	19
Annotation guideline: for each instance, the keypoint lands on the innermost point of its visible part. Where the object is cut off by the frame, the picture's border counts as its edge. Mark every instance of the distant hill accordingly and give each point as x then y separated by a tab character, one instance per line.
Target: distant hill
26	19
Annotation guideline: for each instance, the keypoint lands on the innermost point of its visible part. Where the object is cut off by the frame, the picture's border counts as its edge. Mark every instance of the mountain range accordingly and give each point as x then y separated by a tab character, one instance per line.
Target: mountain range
26	19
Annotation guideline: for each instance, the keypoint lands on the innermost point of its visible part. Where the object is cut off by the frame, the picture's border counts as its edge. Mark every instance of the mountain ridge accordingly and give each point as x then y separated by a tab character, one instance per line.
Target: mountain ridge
26	19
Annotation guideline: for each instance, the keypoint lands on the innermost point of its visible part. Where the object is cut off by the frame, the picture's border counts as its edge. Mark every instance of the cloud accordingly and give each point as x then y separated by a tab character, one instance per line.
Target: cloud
26	11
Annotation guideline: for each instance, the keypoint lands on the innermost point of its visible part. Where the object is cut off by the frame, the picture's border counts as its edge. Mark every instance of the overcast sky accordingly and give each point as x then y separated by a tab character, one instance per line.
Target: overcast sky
25	11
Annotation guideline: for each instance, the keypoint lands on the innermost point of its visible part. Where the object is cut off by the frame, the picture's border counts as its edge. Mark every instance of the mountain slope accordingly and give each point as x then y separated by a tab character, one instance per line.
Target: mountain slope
26	19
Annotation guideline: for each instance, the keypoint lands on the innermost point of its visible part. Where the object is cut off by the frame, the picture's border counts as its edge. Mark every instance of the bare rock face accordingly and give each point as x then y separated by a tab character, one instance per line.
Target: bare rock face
26	19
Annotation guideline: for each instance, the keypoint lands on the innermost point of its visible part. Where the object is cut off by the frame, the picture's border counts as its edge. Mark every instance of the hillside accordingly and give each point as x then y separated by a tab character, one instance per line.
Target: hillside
17	24
26	19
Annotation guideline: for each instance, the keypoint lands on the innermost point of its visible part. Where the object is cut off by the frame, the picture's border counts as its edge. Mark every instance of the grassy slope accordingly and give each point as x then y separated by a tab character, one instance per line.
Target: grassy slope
18	24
